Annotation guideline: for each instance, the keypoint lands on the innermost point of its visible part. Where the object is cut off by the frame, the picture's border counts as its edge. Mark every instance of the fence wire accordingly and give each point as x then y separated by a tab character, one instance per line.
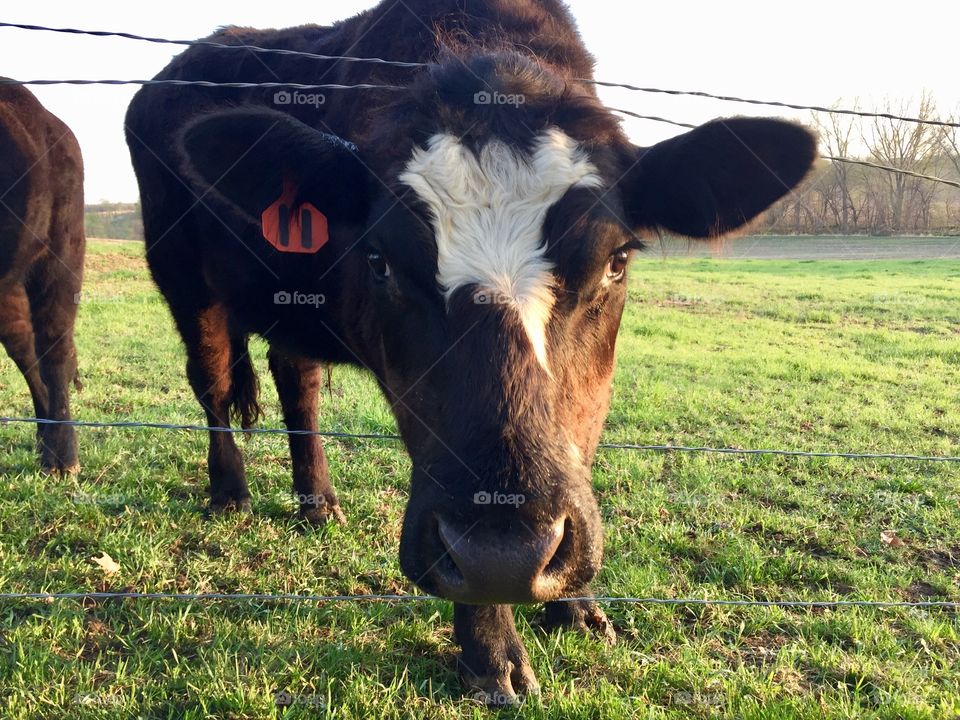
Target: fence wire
130	424
207	84
395	63
610	600
212	43
288	597
900	171
833	158
367	86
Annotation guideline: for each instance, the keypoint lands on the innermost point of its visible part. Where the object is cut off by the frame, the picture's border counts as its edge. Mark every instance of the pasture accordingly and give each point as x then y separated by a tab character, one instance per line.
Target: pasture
815	355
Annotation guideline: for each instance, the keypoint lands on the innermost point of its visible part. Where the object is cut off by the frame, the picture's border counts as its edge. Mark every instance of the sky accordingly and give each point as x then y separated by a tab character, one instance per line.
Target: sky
815	53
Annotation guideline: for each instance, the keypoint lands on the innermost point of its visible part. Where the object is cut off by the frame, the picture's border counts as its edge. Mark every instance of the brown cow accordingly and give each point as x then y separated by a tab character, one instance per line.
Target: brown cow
465	237
41	262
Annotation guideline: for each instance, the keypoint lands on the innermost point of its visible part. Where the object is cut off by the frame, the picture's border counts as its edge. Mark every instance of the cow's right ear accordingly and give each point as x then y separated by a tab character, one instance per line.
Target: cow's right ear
243	157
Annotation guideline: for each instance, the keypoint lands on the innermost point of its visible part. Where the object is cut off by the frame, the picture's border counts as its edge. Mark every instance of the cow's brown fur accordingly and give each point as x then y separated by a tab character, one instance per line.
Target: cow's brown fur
41	262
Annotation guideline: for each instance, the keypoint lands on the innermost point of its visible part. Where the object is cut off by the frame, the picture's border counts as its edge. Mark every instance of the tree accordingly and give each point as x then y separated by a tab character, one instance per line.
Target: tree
901	202
836	132
951	143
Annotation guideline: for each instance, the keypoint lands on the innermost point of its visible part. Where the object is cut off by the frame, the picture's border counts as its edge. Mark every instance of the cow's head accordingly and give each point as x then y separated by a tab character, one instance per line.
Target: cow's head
483	230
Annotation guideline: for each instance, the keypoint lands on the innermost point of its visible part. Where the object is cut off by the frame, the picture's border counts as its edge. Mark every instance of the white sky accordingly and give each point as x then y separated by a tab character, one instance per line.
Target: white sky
814	52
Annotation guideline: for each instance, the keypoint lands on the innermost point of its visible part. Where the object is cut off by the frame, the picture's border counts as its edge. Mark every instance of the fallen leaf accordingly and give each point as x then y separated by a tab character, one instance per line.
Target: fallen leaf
106	563
664	513
889	537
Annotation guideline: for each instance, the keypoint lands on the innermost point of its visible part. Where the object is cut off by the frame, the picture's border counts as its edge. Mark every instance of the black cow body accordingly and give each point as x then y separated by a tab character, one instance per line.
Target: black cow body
465	238
41	261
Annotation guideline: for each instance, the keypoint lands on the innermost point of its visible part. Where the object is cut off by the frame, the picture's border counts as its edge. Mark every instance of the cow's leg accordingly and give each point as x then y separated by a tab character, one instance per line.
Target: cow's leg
298	385
494	663
584	616
212	359
53	307
16	336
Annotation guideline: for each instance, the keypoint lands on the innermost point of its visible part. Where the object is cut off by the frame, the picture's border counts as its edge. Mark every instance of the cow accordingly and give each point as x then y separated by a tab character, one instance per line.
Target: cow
462	230
42	247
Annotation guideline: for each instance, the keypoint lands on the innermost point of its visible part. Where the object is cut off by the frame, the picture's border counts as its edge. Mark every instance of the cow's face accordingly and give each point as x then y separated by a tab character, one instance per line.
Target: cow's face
485	287
496	288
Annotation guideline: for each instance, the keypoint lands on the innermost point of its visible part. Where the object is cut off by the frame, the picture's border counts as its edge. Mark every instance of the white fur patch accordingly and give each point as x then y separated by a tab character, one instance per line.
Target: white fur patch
488	214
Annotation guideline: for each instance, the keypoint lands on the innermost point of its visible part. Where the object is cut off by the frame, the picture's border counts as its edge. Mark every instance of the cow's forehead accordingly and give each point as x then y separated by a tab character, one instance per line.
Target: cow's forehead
488	210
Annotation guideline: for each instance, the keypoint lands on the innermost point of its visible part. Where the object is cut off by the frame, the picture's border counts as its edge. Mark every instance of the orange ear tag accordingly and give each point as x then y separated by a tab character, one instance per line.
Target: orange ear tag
300	229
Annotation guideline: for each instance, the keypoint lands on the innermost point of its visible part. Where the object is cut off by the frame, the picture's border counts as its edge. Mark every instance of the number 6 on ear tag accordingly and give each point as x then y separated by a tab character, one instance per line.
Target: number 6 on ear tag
294	229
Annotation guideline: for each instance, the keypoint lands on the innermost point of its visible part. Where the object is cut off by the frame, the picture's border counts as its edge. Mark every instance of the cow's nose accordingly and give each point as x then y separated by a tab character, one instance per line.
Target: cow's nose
483	566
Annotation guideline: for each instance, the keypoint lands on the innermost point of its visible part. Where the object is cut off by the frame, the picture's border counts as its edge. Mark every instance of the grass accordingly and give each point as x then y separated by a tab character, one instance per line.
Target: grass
808	355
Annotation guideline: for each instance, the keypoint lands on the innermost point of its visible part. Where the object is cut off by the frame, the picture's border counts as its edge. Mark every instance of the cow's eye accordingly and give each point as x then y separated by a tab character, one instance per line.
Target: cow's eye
617	265
378	266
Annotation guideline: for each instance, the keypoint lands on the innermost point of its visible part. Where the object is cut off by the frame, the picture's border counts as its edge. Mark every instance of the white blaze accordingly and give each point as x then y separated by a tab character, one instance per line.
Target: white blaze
488	214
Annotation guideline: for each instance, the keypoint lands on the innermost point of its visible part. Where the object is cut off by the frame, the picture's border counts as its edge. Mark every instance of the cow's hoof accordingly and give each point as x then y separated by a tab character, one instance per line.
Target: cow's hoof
226	507
504	690
59	471
321	515
584	616
507	682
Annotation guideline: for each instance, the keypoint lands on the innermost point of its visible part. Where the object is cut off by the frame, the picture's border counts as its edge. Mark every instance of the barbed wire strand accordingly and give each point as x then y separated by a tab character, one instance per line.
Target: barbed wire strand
778	103
876	166
379	436
212	43
291	597
396	63
366	86
655	118
207	84
900	171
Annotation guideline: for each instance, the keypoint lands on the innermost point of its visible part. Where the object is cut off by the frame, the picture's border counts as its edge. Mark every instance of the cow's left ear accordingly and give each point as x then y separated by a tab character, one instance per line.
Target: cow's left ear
243	157
716	178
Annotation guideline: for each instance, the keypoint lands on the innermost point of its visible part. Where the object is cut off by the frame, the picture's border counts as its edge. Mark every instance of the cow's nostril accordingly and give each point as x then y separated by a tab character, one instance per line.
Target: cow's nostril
445	566
564	548
481	565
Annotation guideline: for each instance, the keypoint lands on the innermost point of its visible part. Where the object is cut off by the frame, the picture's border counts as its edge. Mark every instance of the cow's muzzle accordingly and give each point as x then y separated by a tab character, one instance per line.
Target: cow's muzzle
484	567
517	561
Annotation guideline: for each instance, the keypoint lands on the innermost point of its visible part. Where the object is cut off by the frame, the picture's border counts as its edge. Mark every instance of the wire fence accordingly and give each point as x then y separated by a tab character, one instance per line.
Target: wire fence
369	86
207	84
609	600
401	64
946	605
413	65
834	158
130	424
308	598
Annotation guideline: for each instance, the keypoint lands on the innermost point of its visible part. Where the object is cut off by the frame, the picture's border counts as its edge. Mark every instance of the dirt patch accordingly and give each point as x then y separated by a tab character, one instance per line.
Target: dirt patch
98	262
942	559
920	591
757	650
97	638
828	247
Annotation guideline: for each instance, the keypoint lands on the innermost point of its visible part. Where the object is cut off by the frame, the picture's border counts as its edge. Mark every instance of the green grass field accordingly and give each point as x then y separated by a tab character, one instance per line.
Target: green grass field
796	354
